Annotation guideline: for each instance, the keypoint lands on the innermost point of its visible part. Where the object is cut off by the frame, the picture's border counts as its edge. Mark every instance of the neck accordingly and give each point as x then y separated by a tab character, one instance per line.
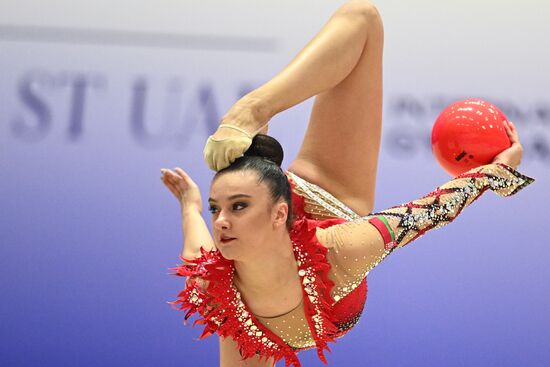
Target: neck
272	269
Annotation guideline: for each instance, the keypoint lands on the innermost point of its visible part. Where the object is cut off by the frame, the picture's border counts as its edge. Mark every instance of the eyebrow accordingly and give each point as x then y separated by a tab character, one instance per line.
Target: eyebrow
232	197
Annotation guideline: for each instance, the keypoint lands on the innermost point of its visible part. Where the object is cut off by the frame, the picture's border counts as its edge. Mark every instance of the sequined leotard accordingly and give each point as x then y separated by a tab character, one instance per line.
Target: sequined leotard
335	249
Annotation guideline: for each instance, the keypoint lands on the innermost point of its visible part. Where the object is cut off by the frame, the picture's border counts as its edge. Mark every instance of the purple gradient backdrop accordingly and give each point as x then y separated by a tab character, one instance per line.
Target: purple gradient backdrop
88	231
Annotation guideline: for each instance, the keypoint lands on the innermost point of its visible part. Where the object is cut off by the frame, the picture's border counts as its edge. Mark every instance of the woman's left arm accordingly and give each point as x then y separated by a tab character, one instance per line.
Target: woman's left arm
358	246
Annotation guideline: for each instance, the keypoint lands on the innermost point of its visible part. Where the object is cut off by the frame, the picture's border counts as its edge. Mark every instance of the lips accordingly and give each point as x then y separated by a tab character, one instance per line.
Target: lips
226	239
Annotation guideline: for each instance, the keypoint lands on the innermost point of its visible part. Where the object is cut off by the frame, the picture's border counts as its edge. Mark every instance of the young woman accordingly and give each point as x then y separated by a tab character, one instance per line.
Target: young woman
286	267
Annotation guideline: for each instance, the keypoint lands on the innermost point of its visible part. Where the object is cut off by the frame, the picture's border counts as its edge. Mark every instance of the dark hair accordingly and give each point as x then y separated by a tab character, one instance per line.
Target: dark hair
264	156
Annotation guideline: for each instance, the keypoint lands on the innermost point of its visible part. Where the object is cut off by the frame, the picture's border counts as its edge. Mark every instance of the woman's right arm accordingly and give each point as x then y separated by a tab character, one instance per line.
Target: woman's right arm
195	234
195	231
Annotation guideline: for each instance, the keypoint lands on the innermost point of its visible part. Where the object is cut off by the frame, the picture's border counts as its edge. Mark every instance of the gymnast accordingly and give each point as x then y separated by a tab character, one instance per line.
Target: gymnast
286	265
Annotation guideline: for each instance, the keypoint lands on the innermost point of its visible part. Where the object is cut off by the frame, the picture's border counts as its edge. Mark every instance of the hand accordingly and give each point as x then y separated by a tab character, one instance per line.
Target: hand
183	187
511	156
245	119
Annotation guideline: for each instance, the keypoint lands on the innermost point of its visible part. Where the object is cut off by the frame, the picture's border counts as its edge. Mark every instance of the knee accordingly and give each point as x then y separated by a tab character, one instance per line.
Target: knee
364	9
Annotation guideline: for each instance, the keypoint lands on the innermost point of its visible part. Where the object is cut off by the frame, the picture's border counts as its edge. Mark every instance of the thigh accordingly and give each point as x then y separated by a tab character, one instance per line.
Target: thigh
341	146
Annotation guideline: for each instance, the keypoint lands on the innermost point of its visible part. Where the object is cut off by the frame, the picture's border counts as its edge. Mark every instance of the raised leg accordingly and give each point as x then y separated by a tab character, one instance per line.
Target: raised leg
342	66
342	142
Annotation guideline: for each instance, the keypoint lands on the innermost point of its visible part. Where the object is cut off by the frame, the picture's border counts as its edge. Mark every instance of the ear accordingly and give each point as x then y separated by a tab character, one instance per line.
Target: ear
280	214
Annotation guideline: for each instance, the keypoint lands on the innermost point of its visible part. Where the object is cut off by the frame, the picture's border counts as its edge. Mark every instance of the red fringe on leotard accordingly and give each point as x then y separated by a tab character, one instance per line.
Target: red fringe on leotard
211	294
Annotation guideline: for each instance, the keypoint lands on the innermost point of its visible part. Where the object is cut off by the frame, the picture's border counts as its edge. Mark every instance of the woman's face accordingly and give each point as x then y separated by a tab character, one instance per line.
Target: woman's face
243	214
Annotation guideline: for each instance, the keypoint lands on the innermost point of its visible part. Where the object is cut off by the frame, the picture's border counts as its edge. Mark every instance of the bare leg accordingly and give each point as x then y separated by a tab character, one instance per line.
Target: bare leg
341	146
342	143
342	65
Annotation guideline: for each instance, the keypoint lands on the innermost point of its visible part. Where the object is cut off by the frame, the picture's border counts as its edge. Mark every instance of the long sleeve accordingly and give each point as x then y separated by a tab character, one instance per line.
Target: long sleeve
358	246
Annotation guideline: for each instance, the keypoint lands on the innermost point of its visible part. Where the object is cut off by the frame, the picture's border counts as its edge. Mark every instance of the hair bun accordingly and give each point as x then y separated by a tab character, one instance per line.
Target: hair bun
266	147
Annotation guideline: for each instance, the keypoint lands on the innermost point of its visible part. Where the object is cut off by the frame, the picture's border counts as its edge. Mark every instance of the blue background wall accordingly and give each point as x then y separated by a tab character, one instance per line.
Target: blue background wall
96	97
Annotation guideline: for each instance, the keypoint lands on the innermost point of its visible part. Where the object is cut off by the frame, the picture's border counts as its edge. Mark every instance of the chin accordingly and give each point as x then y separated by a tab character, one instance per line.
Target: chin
227	252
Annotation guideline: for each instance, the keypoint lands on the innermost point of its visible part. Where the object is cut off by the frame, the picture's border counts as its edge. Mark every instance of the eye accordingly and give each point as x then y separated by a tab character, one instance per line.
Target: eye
213	209
239	206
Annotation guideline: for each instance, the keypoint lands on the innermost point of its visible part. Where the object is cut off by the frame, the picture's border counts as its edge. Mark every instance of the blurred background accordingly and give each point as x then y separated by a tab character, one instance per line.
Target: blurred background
96	97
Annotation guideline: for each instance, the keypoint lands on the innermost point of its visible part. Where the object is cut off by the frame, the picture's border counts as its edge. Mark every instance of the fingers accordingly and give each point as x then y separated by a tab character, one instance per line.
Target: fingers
184	175
171	185
171	175
179	179
173	178
181	172
508	131
511	132
173	189
513	129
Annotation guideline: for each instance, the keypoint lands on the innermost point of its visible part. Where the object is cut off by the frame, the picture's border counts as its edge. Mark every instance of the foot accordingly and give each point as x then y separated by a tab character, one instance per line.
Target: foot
250	114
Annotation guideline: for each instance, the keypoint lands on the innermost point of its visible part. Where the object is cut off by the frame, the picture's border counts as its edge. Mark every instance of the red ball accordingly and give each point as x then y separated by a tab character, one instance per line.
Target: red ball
468	134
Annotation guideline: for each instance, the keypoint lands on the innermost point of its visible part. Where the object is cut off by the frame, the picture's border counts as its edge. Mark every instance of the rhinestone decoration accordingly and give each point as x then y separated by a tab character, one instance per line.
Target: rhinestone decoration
444	204
249	326
321	202
411	220
224	311
308	278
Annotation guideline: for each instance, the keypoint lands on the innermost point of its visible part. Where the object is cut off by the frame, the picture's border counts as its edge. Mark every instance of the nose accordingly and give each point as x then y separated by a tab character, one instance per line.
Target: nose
221	222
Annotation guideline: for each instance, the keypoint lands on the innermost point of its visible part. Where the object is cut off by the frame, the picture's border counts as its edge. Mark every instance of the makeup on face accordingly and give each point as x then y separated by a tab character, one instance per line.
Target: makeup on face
239	205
